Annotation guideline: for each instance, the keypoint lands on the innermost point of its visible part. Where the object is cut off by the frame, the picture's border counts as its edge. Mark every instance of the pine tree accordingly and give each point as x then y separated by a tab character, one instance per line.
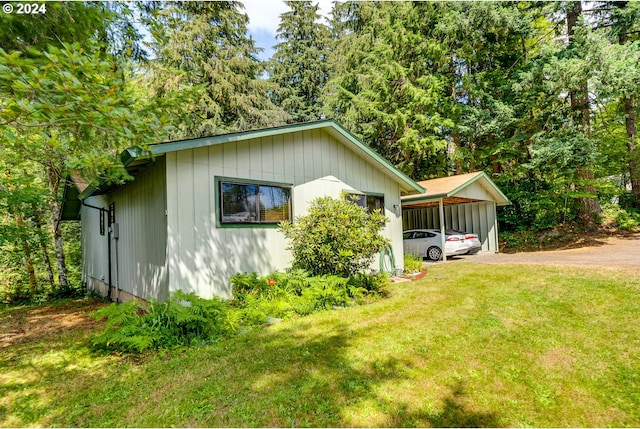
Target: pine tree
203	50
620	21
299	65
381	91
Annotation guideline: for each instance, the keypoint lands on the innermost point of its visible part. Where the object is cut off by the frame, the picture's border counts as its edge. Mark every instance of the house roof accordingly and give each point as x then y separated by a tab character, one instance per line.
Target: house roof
462	188
135	158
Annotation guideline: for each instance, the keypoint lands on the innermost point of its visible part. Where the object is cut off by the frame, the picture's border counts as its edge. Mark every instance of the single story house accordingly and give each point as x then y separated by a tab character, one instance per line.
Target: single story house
465	202
201	210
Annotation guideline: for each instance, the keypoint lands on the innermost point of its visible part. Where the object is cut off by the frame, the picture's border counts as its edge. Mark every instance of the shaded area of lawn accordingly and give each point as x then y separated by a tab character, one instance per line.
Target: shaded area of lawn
470	345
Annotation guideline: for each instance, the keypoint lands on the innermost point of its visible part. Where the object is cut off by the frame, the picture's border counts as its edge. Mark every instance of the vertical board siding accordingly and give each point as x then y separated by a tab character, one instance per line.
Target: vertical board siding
316	164
95	263
478	218
139	254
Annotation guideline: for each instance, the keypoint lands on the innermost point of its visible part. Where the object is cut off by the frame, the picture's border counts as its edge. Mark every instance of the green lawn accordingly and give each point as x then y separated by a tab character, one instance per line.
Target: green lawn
469	345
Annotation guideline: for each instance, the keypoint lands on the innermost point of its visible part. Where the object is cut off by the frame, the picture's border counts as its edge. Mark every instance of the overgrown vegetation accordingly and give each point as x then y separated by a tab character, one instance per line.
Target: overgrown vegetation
187	320
184	319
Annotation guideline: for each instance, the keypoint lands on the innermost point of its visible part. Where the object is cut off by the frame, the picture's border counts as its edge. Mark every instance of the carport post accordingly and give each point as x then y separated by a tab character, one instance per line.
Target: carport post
442	232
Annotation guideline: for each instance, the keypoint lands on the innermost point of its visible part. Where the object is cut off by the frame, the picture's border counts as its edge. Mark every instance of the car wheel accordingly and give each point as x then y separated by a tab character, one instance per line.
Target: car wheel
434	253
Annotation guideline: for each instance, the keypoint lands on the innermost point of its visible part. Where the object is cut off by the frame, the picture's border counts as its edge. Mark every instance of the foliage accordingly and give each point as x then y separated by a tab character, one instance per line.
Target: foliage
295	292
379	91
202	49
412	263
67	102
336	237
625	219
184	319
299	67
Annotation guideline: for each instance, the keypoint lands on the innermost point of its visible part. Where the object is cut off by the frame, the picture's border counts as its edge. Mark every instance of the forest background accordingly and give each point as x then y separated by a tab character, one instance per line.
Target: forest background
542	96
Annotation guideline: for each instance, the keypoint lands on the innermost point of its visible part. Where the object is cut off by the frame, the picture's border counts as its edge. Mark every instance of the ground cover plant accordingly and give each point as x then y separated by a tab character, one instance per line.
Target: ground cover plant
186	319
469	345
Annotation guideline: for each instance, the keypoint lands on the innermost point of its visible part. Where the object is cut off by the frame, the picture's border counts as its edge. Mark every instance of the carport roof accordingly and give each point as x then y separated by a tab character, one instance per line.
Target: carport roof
459	189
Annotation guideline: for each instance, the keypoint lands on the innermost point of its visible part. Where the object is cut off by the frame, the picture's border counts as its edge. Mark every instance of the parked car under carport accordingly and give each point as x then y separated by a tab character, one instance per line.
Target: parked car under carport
427	243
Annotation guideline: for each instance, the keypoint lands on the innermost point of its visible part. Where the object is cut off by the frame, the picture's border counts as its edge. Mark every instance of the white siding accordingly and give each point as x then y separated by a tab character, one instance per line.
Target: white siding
203	257
138	256
478	218
95	260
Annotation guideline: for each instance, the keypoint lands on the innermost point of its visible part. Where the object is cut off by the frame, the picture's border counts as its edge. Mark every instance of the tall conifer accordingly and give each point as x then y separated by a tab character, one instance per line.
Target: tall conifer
299	64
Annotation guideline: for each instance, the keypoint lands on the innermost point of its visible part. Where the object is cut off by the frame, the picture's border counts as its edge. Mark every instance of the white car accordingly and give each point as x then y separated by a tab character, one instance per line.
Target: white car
473	243
427	243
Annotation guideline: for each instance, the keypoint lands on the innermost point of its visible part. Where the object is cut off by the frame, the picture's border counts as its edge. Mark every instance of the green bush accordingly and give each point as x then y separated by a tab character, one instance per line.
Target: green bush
184	319
412	262
336	237
297	293
626	219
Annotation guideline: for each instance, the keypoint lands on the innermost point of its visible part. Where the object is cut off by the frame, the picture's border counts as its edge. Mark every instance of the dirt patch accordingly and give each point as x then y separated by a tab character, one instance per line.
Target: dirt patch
22	325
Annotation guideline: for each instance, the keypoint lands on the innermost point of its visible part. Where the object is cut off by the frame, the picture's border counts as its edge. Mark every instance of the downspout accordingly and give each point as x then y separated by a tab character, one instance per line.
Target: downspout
443	237
495	227
103	210
115	233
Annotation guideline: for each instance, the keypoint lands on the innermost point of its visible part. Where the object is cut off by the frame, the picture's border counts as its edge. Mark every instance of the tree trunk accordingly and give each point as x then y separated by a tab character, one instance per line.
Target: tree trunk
28	261
588	207
634	153
632	131
43	246
54	186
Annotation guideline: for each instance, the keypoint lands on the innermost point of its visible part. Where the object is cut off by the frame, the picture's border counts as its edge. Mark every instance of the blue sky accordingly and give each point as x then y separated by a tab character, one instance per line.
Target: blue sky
264	17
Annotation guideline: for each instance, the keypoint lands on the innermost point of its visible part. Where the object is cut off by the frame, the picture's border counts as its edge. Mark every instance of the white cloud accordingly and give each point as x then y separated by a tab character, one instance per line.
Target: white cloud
264	18
264	15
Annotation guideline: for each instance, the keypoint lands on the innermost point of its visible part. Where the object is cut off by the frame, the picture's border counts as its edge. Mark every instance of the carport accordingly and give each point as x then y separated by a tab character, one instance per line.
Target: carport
466	202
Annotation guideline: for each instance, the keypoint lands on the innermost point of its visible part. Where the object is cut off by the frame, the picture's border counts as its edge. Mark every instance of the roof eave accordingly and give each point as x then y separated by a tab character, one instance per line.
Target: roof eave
408	185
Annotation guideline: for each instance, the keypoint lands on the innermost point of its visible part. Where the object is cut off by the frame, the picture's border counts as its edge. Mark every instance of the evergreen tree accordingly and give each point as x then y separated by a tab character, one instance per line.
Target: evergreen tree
382	86
299	65
203	50
620	21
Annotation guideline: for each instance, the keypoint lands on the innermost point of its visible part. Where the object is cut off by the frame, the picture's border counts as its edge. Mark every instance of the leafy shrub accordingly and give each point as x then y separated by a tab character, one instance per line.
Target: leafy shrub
336	237
412	263
184	319
297	293
626	219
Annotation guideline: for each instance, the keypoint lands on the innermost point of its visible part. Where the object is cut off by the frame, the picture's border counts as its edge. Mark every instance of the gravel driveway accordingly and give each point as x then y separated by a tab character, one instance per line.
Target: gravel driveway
607	252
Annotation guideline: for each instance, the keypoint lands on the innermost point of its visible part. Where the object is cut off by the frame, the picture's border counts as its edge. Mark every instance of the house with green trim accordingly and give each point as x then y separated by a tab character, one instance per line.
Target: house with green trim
201	210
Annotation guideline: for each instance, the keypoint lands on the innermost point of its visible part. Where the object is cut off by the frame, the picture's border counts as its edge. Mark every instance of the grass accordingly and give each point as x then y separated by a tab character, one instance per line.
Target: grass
469	345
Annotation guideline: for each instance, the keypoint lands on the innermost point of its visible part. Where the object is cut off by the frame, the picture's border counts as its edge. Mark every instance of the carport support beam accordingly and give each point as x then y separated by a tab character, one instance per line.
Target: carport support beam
442	231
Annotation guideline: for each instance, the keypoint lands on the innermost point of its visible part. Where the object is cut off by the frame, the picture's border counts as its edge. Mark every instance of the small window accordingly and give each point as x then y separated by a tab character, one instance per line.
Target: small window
370	202
247	203
407	235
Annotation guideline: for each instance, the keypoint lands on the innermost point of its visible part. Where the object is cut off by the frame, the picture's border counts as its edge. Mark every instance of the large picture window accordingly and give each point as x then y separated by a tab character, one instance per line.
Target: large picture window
370	202
253	203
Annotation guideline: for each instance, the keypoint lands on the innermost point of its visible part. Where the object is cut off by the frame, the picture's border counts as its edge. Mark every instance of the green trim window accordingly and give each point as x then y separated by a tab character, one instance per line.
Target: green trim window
253	203
371	202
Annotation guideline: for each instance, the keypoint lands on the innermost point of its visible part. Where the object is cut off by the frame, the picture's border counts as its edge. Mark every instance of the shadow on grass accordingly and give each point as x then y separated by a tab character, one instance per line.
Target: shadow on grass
319	380
315	372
